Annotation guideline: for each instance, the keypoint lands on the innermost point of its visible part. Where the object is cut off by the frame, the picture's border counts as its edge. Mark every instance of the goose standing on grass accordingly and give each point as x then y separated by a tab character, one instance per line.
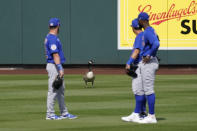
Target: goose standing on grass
89	76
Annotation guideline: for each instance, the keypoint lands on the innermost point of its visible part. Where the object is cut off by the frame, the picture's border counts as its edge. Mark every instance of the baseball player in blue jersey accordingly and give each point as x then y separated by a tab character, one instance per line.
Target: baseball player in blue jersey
137	87
149	65
55	58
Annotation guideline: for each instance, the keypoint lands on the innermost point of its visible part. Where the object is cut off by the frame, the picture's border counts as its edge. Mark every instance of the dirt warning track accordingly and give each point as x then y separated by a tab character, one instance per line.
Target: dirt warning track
100	70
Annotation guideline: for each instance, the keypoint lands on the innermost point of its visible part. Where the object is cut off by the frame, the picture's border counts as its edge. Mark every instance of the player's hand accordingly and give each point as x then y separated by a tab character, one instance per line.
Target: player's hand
127	66
61	73
146	59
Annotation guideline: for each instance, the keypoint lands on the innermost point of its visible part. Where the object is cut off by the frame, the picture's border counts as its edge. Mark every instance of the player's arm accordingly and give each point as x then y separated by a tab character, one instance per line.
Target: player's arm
136	50
154	41
133	56
154	46
56	58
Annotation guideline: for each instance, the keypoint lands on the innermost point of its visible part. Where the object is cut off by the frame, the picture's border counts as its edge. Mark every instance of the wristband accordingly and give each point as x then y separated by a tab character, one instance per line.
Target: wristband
131	60
59	67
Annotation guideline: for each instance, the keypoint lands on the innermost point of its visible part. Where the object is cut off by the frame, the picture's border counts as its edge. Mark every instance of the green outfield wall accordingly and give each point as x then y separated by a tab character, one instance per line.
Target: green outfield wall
88	31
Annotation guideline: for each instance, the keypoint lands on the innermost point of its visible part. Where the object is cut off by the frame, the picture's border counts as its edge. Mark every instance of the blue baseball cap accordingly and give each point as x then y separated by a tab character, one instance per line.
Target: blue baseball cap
143	16
135	23
54	22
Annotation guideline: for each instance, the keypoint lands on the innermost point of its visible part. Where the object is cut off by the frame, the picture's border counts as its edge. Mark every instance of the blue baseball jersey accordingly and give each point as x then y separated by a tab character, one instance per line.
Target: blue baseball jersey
53	45
138	45
151	42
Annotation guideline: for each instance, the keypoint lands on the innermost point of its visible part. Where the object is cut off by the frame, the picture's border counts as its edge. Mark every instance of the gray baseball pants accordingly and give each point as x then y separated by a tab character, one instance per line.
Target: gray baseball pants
54	94
137	83
144	83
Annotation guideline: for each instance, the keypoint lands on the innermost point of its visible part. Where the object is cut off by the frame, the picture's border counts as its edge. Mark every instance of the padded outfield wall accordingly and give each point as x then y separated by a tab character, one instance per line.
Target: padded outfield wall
89	30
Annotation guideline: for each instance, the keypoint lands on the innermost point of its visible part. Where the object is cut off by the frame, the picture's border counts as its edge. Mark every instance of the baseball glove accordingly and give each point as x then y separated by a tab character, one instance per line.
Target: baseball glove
131	72
57	83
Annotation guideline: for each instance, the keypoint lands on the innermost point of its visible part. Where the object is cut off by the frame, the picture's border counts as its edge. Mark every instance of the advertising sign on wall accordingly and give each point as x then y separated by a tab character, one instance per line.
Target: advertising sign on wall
175	21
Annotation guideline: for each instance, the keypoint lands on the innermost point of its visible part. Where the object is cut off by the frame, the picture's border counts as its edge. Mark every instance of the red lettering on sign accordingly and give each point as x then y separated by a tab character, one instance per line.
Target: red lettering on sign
170	14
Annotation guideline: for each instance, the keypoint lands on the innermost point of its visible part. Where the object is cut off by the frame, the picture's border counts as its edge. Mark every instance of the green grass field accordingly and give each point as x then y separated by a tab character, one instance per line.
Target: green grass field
23	104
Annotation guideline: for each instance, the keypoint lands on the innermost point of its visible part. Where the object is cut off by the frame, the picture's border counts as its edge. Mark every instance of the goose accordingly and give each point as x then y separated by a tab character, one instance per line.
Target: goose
89	76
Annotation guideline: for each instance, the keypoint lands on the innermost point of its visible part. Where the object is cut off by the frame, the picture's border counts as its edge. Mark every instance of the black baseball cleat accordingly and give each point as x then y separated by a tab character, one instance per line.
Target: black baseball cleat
143	114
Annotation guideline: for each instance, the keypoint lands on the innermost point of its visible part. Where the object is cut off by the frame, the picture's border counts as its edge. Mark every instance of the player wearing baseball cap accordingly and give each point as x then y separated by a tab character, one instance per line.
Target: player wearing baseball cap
55	58
137	87
149	65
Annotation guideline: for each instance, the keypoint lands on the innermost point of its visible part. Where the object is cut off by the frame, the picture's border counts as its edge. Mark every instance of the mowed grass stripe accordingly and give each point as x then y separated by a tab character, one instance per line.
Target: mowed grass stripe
23	103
